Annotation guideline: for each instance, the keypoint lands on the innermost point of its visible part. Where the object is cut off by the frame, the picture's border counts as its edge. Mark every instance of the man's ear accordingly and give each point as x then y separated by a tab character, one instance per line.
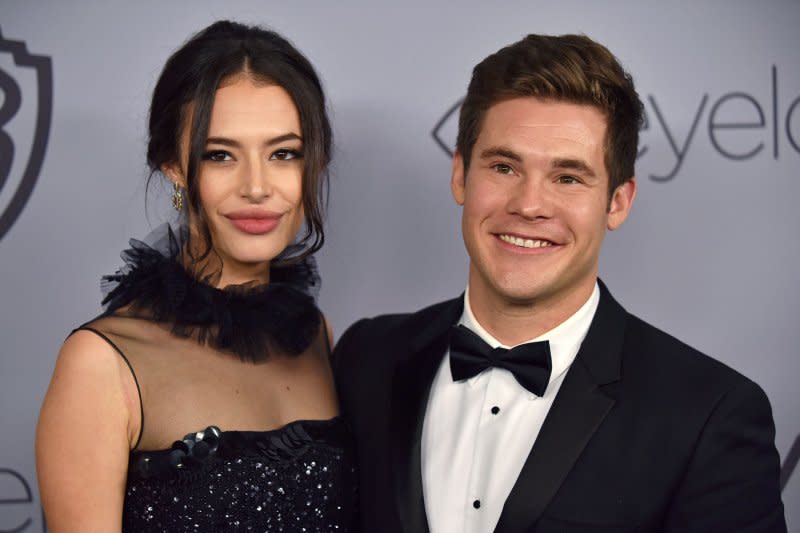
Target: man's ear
621	203
457	178
174	173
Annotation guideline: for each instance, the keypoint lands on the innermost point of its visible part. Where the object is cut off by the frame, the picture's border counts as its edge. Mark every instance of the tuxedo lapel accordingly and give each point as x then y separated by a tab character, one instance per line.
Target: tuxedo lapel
577	412
428	335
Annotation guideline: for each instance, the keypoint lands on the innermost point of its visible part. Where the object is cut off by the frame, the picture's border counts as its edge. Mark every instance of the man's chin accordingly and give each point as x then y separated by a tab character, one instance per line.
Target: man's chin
512	286
519	294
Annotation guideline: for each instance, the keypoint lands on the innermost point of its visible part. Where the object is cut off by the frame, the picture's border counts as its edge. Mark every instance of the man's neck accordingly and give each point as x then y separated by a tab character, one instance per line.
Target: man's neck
515	321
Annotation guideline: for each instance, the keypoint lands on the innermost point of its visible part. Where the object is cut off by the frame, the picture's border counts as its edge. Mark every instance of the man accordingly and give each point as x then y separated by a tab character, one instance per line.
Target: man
598	421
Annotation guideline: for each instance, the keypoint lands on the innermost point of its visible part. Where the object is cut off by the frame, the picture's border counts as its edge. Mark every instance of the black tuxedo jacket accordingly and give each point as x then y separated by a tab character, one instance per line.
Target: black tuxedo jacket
645	434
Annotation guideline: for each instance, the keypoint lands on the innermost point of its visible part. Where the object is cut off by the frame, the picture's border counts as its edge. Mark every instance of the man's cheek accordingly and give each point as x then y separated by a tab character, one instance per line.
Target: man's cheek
482	200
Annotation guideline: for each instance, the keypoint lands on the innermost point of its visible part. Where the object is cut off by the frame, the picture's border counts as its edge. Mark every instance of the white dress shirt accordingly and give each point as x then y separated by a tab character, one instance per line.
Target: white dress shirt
477	433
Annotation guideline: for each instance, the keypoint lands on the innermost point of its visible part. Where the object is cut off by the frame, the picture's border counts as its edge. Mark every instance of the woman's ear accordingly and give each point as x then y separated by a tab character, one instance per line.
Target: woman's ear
174	173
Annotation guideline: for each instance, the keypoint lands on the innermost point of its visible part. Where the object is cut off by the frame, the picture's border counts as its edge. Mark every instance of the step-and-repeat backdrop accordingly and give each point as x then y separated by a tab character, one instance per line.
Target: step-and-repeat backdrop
711	253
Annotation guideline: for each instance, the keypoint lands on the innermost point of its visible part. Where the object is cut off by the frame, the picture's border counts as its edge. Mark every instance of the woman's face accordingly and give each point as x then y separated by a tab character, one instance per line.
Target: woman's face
250	178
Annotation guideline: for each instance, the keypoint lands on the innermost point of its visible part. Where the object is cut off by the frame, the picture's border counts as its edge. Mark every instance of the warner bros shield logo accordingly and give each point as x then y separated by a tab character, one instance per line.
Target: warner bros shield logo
26	105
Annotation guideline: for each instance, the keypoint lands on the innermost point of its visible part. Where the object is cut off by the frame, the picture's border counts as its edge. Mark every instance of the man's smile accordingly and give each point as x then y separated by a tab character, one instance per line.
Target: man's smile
523	242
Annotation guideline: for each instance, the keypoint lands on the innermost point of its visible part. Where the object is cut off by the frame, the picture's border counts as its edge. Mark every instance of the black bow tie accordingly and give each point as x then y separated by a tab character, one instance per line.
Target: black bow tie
470	355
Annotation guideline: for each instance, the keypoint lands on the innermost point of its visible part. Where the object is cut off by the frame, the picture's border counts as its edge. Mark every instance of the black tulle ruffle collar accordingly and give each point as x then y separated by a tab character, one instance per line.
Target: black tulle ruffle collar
252	320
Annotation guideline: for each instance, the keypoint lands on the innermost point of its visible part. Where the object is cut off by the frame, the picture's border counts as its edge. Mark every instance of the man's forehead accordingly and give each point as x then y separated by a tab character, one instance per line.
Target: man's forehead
529	132
546	117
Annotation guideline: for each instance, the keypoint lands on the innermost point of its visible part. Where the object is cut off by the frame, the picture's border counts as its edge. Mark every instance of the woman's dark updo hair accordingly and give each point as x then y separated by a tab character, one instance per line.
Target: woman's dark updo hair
187	86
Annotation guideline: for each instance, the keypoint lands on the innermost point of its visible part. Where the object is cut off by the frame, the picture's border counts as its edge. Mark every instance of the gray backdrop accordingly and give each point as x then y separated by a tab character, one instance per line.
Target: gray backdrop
710	254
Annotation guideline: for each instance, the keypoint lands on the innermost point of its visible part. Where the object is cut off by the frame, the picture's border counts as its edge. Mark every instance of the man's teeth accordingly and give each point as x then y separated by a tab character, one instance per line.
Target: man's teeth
524	243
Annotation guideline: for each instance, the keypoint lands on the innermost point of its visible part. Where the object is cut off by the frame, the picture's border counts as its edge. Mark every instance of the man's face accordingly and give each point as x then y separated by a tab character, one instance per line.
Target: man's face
536	203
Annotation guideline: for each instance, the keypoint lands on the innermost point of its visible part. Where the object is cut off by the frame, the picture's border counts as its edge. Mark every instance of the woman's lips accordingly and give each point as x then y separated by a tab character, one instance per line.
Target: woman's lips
254	223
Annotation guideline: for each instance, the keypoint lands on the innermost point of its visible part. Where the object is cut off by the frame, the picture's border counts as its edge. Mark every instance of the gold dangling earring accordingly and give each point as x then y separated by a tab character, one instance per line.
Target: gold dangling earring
177	197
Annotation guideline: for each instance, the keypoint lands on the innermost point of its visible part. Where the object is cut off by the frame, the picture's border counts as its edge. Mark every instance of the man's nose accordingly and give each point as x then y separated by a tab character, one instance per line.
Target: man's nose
532	198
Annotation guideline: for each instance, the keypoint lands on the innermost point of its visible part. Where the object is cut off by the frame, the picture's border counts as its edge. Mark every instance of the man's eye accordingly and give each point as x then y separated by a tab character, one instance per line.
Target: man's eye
567	179
217	155
286	154
502	168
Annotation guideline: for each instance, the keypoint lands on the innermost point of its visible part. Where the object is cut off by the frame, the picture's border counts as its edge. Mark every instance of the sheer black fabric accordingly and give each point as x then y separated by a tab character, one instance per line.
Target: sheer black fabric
237	362
249	320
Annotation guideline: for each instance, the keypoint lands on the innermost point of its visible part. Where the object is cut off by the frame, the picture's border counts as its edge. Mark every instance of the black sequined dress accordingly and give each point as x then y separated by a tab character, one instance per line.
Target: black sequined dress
296	478
204	356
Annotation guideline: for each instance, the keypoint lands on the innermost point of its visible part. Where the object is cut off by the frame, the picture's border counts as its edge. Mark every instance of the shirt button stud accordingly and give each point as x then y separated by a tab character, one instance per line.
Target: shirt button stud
495	410
476	504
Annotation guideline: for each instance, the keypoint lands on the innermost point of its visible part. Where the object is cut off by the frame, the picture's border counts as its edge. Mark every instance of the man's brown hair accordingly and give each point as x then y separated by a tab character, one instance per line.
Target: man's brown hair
571	68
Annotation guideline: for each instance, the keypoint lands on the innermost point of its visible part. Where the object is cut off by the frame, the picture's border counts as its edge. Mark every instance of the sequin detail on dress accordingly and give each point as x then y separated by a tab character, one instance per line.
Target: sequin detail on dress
301	477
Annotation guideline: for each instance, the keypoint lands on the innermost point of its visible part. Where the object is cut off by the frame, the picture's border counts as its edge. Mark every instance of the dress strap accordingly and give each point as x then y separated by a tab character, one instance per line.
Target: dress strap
325	330
133	373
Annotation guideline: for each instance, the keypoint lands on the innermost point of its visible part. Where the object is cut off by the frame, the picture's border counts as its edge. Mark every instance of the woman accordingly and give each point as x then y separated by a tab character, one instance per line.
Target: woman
202	398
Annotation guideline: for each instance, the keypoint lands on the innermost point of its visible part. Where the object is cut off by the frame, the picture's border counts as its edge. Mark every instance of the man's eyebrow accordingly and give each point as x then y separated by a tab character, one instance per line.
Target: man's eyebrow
224	141
573	164
500	151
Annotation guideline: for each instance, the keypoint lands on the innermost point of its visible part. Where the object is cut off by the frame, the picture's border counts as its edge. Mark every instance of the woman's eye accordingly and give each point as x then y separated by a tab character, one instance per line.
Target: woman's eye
217	155
502	168
286	154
